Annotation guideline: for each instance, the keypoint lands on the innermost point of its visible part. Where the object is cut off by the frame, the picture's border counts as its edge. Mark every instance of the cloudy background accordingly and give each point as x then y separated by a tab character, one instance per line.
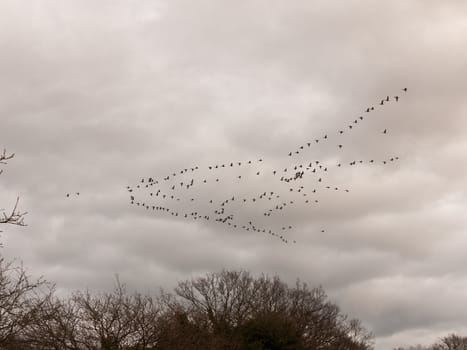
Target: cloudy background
95	95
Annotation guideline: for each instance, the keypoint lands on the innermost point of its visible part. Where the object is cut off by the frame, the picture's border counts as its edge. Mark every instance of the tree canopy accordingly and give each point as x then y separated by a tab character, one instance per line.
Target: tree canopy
231	310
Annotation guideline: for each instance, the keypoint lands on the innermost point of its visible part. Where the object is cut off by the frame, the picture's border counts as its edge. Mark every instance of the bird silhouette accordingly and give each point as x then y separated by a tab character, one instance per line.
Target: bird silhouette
291	196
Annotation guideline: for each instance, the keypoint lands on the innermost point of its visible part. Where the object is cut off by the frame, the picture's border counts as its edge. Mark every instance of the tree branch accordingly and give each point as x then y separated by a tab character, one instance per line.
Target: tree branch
4	157
15	217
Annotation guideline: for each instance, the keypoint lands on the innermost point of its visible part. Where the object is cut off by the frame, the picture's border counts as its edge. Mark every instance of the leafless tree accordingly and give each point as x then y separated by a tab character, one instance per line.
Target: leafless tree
20	300
451	342
227	300
230	310
108	321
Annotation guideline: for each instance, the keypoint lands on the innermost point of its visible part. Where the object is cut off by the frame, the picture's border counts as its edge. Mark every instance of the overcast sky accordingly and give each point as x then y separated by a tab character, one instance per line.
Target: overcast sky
96	95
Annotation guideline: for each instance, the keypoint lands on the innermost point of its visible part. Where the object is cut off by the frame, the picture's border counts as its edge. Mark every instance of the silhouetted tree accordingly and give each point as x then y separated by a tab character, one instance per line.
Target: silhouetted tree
227	301
20	301
230	310
449	342
108	321
271	331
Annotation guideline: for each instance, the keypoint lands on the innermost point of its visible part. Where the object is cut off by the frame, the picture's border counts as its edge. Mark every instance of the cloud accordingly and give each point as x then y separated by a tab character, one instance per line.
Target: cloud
97	95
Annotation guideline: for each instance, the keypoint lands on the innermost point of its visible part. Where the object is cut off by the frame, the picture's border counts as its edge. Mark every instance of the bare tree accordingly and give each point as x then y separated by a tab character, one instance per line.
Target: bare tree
20	300
14	216
451	342
56	326
229	300
230	310
116	320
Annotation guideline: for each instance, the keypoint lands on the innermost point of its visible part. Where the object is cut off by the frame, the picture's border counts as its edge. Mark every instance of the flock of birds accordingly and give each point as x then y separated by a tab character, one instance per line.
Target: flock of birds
192	193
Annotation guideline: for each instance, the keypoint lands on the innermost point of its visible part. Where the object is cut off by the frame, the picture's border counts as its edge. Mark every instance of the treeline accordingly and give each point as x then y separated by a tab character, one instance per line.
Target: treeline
225	310
450	342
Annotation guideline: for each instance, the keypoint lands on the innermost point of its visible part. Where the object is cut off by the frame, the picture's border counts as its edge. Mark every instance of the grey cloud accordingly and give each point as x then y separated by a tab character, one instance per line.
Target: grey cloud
97	95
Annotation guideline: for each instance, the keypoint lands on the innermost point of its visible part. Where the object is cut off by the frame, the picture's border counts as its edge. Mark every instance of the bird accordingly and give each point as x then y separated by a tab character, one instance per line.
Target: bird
297	175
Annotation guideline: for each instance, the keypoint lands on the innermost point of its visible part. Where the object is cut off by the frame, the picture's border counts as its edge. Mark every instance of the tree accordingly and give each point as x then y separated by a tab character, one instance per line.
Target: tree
20	301
14	217
451	342
271	331
230	303
230	310
108	321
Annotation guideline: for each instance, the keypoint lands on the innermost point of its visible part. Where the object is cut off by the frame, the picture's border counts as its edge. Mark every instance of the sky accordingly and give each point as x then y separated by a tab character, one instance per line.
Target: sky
99	95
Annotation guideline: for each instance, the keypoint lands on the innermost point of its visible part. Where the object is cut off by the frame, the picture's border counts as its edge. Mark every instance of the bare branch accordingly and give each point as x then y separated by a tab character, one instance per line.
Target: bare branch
15	217
4	156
